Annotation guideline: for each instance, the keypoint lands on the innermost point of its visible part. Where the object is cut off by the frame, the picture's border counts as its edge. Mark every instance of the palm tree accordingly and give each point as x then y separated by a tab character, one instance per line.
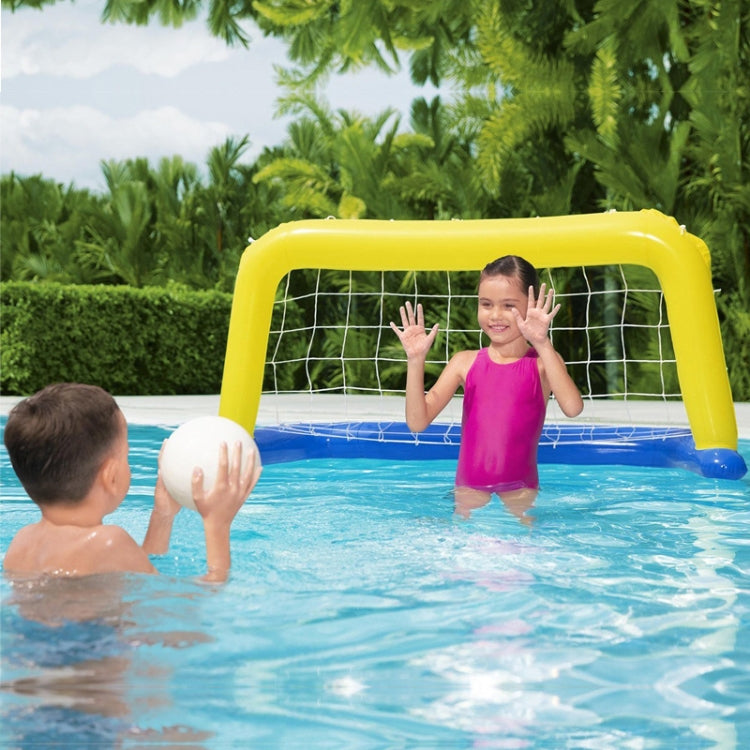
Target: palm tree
340	164
119	236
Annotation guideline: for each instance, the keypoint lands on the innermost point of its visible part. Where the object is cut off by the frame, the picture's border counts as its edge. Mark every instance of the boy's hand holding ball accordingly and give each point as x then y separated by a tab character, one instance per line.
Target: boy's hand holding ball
198	444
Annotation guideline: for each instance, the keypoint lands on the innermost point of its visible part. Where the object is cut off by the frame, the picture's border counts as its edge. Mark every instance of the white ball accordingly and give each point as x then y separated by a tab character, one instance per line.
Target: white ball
196	443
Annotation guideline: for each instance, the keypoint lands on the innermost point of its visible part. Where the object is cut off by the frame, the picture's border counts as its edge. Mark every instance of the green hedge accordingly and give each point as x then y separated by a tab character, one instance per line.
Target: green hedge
148	341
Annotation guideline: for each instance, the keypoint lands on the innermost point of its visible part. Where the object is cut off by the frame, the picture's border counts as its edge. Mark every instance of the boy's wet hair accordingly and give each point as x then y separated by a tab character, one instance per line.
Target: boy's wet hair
58	438
513	266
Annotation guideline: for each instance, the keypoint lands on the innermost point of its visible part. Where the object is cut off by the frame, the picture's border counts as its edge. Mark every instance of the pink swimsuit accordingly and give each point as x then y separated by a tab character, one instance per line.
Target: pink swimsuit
503	415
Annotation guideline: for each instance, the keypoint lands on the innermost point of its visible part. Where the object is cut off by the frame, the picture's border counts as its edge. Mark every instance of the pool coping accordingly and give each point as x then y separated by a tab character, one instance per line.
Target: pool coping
174	410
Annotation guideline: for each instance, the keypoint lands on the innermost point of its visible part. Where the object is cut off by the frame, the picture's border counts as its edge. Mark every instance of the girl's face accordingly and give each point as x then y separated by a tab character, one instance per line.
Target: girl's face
498	295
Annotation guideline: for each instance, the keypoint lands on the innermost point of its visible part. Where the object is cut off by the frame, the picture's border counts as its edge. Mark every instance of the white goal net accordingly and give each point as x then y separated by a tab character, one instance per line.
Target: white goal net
332	356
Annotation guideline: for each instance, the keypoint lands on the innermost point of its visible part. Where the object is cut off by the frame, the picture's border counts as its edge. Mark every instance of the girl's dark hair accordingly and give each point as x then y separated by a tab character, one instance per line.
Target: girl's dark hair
58	438
513	266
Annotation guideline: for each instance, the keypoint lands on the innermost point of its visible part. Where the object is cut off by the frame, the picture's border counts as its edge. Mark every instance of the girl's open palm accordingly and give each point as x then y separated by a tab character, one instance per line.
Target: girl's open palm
539	314
414	338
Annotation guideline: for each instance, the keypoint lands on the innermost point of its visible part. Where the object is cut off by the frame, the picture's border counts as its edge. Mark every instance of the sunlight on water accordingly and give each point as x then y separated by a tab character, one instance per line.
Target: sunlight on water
362	614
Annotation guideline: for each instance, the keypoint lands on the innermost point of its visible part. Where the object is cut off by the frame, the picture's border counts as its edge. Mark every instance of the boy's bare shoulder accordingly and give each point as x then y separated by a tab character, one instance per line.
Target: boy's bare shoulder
109	548
14	554
110	535
74	551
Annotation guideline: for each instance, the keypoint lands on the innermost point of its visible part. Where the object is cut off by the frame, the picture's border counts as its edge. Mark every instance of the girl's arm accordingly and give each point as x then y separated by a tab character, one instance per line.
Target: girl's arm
559	381
421	407
535	327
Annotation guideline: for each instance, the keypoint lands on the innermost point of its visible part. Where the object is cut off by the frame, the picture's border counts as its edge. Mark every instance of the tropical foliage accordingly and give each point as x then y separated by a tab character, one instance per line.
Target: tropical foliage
152	226
547	107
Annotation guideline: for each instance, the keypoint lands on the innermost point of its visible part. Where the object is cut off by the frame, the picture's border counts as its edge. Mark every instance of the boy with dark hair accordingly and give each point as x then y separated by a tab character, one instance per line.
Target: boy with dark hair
68	445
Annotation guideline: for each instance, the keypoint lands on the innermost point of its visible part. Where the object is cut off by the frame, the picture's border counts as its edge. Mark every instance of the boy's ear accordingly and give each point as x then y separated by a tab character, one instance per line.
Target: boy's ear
108	473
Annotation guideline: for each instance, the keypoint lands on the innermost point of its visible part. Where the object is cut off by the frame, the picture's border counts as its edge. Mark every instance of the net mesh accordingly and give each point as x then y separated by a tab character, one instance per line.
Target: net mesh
331	335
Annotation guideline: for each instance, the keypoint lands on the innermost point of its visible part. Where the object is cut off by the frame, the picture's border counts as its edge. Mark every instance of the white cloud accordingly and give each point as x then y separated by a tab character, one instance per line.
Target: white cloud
76	92
69	40
61	142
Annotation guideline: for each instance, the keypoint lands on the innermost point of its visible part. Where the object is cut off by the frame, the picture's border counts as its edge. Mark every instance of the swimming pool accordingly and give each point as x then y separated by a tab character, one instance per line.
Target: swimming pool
361	614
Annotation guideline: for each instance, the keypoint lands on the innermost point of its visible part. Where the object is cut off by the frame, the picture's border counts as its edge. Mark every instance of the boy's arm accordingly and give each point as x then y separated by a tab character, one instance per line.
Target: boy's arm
218	551
159	532
219	506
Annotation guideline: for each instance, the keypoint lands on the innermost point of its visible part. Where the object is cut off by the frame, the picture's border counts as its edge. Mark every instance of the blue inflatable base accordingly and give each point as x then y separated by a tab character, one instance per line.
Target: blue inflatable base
560	444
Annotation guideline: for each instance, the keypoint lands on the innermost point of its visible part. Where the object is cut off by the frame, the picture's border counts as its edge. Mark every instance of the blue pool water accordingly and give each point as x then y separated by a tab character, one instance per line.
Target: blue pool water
361	614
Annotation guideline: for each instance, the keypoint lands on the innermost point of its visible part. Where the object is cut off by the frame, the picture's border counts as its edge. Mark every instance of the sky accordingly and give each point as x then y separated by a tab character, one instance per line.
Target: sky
74	91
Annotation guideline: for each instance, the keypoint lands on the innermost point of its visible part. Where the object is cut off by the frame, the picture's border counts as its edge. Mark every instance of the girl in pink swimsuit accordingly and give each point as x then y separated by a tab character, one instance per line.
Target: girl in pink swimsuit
506	386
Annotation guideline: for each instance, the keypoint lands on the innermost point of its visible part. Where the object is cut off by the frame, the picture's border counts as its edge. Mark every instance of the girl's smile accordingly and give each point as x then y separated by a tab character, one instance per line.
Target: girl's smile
498	296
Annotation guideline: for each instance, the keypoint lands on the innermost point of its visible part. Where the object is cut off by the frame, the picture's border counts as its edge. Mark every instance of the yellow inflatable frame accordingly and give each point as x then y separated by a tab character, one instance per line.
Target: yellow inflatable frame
648	238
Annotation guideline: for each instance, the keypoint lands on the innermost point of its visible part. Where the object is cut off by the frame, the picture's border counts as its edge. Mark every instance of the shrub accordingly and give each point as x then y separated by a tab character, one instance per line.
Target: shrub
147	341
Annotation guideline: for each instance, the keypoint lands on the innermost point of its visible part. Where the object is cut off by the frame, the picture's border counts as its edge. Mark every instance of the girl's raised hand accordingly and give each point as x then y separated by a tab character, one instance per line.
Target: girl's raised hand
539	314
414	338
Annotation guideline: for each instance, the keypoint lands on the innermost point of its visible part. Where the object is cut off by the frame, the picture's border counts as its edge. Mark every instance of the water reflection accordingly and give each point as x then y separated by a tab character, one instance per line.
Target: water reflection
361	614
73	667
